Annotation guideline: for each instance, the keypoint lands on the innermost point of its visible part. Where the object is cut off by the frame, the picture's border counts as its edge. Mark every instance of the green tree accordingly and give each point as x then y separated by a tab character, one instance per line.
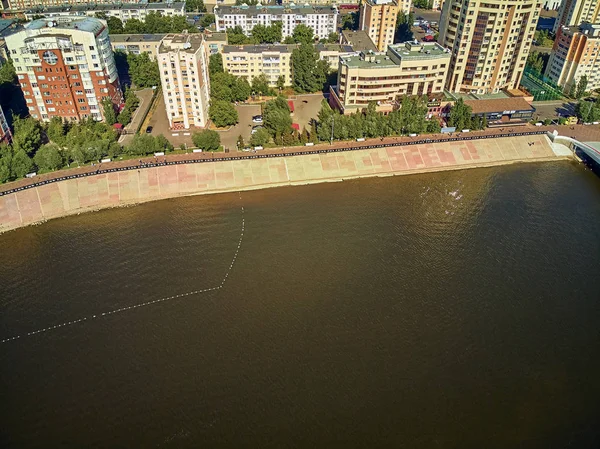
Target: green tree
21	164
162	143
220	87
333	38
6	154
195	6
581	87
276	116
267	34
222	113
289	40
141	144
260	85
280	82
207	20
57	131
309	73
27	135
207	140
143	71
404	27
49	158
236	36
215	64
350	21
240	89
7	73
110	116
260	138
303	34
240	142
115	25
460	115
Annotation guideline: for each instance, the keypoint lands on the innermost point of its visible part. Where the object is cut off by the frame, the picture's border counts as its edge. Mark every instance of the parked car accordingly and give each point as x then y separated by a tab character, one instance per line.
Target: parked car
255	128
257	119
149	129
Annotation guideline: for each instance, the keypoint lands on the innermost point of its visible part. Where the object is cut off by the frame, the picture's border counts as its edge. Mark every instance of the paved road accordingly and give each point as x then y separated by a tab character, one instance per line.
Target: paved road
145	96
580	132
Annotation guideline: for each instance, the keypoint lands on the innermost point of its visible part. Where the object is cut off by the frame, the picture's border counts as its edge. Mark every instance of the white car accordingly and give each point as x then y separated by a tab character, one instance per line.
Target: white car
257	119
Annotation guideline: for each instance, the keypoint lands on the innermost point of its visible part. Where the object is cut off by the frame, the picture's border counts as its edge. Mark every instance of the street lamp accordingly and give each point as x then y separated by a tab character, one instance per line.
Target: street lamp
332	124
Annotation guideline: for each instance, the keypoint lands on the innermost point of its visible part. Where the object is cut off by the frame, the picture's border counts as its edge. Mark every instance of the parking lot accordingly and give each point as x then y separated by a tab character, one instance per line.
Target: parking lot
244	127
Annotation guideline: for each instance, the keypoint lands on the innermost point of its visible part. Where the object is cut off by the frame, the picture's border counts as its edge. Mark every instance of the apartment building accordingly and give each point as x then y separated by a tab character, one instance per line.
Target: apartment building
25	4
65	67
489	41
5	134
215	41
249	61
574	12
576	53
322	19
412	68
183	64
122	11
331	53
137	43
378	20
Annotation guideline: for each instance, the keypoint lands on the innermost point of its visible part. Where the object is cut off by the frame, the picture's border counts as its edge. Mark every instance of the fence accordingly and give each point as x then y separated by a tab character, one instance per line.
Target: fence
540	86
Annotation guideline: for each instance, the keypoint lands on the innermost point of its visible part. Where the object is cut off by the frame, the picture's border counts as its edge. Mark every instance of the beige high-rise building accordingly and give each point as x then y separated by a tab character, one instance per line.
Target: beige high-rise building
183	64
489	41
378	19
405	70
576	53
575	12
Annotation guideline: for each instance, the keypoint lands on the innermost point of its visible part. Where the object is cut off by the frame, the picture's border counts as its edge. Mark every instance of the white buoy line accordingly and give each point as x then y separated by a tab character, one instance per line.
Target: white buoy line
142	304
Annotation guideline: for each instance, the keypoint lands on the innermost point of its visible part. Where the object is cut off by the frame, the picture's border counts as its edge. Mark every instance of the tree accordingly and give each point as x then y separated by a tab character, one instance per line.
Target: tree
56	131
141	145
21	164
207	20
260	85
538	61
289	40
220	87
403	27
333	38
303	34
49	157
131	104
267	34
240	142
581	86
162	143
7	73
222	113
236	36
115	25
276	116
350	21
27	135
280	82
6	155
195	6
240	89
144	71
309	73
215	64
260	138
207	140
460	115
110	117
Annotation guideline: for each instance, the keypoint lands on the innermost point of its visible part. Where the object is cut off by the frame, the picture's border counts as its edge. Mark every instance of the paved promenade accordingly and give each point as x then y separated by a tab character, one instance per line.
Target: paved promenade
122	186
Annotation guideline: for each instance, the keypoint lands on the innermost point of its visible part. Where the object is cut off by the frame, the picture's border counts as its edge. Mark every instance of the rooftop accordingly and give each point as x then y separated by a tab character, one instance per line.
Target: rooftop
103	7
359	40
136	37
89	24
395	55
189	43
418	50
274	9
341	48
499	105
215	37
259	48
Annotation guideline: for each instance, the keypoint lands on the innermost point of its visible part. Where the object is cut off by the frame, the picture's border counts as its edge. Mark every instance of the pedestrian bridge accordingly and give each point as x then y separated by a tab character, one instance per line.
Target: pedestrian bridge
589	149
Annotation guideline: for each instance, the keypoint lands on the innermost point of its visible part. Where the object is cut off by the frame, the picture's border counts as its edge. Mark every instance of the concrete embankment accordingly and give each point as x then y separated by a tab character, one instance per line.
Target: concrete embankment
73	196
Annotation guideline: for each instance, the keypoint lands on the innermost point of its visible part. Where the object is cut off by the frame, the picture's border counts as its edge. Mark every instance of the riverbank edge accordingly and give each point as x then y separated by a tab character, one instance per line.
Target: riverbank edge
301	183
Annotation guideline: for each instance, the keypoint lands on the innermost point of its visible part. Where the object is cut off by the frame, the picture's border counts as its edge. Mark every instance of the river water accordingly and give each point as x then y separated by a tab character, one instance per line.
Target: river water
448	310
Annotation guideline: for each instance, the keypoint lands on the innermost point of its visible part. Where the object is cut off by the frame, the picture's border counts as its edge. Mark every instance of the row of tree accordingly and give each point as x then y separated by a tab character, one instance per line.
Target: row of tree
588	111
154	23
124	117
